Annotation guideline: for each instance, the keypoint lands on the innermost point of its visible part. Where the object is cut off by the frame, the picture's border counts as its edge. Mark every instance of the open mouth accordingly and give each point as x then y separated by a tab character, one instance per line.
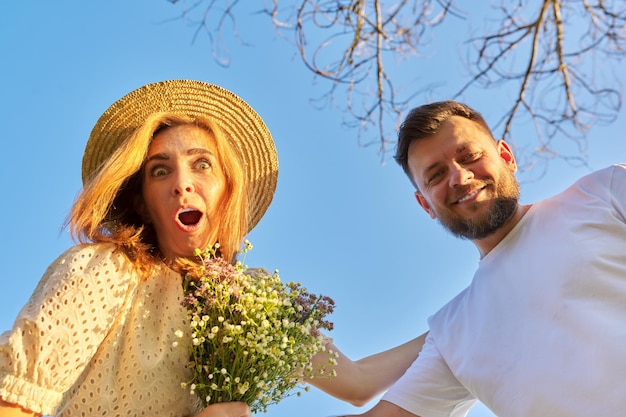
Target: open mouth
189	216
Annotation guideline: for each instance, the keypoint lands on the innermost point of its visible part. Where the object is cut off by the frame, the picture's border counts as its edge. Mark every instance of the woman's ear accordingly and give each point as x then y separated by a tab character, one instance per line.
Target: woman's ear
140	208
421	200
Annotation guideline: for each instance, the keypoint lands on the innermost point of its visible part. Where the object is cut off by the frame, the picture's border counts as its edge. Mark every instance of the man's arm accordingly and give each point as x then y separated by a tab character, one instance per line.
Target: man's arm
385	409
358	382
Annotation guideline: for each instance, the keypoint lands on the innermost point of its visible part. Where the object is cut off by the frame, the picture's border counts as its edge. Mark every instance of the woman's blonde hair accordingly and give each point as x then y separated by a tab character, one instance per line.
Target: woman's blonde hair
105	209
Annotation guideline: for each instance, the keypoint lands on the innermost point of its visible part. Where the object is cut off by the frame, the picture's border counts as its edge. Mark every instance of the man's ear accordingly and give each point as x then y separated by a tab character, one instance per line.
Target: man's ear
505	153
140	208
421	200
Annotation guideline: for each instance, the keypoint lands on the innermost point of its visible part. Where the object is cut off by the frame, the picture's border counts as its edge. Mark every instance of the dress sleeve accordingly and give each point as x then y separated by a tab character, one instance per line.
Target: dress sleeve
62	325
428	387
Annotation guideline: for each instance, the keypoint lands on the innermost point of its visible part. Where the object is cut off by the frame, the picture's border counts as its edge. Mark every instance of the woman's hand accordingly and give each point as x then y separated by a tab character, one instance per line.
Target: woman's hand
228	409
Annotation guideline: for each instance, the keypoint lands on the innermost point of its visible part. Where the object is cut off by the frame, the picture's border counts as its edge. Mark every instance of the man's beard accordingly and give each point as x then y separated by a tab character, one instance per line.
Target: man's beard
502	208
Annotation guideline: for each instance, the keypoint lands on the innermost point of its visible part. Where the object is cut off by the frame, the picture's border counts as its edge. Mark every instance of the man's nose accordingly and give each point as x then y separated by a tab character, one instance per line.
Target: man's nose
459	175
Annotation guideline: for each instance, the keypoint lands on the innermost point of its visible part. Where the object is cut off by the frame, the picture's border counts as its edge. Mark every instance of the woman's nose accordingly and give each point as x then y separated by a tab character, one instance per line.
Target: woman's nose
183	184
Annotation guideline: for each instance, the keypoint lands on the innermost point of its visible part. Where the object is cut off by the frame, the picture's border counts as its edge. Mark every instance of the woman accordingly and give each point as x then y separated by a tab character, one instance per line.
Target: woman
170	167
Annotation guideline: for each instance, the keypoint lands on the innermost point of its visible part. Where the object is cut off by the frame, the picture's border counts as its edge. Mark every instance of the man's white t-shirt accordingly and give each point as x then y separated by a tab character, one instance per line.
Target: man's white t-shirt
541	330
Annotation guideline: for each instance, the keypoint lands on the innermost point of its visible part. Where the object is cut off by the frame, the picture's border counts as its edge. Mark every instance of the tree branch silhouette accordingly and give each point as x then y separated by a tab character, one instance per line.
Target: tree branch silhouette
552	56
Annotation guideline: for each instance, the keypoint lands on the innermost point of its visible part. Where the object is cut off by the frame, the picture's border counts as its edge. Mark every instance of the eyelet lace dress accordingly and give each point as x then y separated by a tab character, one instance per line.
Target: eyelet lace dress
97	339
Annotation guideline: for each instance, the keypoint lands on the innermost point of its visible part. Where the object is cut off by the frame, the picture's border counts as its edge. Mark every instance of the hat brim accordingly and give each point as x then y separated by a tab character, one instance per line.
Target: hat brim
237	120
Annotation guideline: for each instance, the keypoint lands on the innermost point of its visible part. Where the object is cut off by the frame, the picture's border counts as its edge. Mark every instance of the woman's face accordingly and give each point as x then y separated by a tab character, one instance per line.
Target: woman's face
184	187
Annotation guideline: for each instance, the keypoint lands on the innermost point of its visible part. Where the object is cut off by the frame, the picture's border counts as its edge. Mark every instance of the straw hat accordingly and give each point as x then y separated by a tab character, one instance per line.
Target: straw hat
238	121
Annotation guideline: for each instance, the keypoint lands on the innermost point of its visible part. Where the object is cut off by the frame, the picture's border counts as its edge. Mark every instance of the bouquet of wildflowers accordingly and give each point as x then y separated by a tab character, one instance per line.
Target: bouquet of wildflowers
253	335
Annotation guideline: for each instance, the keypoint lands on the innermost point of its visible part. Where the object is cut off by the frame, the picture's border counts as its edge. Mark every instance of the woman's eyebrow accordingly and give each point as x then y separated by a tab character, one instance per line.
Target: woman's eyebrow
158	157
199	151
165	156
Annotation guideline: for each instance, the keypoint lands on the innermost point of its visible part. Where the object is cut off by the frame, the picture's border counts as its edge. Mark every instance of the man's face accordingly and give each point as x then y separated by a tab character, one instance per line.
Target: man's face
466	180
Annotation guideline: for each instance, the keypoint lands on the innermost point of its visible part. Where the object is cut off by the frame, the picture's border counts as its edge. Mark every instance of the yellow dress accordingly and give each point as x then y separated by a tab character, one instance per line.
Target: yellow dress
96	338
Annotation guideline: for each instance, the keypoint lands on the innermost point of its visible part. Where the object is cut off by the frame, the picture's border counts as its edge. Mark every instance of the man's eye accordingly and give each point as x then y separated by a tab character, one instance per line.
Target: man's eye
471	157
435	177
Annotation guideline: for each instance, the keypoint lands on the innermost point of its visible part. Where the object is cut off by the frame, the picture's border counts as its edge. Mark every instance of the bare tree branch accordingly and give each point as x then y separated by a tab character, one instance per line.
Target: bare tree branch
552	56
555	89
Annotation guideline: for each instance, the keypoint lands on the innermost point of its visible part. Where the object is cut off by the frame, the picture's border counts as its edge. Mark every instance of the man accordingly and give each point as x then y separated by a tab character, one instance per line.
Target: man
541	329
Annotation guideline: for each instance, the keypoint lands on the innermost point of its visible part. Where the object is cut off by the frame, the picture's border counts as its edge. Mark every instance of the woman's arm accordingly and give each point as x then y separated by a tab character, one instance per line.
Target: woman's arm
12	410
227	409
358	382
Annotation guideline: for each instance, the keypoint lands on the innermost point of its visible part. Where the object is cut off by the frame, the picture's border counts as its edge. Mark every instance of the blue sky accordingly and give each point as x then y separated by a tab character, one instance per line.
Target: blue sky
341	222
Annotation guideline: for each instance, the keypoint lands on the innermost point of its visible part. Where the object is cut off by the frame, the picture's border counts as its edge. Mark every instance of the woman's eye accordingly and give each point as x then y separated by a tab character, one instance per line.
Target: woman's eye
158	171
203	164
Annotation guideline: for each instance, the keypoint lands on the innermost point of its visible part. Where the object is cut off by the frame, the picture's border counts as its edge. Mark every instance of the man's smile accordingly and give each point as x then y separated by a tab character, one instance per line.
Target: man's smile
469	196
